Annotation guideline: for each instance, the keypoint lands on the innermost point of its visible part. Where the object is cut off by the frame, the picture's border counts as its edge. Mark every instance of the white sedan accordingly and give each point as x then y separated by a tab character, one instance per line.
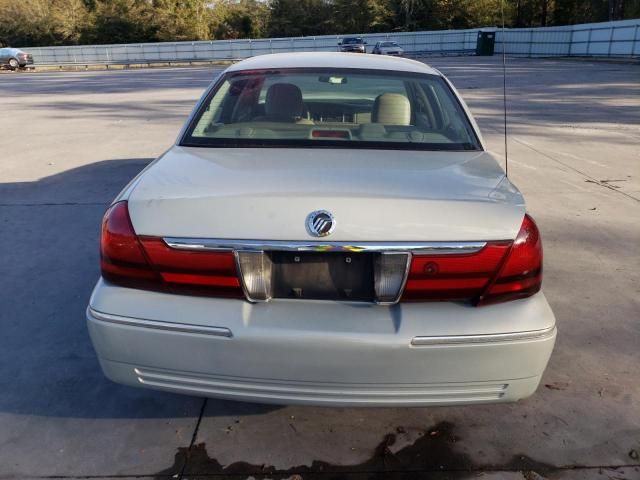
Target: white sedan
388	48
328	229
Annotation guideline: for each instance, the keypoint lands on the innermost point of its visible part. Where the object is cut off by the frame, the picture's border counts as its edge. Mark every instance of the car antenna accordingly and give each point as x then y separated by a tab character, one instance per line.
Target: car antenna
504	92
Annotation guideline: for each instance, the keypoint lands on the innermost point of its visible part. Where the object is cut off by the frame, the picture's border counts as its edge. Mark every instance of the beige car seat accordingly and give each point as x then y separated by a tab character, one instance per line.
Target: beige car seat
391	109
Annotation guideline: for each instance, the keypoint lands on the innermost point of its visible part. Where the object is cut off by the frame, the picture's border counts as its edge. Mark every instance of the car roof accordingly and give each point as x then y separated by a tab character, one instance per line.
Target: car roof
332	60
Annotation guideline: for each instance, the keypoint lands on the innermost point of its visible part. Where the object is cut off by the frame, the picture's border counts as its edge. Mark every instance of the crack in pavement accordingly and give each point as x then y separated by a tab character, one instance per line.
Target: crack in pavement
576	170
193	439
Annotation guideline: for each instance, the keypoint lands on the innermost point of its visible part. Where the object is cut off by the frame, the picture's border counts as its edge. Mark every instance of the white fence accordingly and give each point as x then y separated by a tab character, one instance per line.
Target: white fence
609	39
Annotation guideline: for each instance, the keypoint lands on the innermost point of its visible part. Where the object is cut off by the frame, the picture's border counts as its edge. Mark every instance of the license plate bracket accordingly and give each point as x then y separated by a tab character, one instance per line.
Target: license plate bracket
323	276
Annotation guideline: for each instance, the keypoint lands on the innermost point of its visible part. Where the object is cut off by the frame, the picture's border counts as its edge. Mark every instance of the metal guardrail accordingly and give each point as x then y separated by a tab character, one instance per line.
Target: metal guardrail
609	39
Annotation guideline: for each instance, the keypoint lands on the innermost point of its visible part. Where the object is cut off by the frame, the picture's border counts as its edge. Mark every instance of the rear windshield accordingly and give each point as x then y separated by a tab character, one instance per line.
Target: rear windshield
350	41
331	108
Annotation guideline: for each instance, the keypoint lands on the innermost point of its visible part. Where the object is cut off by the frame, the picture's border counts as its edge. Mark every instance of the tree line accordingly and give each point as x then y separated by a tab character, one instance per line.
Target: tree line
76	22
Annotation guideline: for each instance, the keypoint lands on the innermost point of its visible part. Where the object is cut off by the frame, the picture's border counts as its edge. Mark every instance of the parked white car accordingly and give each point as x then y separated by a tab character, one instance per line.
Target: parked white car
328	229
388	48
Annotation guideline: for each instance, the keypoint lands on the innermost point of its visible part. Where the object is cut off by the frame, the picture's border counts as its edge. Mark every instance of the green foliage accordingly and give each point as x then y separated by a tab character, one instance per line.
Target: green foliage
300	18
25	22
70	22
122	21
178	20
357	16
240	19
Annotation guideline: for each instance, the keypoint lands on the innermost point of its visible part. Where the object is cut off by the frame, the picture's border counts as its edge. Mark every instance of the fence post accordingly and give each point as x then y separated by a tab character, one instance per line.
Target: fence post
570	42
635	40
530	41
588	42
613	28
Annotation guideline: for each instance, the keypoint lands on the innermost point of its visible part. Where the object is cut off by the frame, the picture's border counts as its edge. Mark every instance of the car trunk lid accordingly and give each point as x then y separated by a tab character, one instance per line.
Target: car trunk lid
267	194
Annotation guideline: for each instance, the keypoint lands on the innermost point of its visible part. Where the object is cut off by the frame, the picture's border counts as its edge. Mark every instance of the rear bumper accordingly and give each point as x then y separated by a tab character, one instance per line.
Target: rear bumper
322	353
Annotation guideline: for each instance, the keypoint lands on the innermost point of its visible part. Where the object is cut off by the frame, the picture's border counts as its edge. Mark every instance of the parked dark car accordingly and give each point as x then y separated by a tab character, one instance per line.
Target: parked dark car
353	44
14	58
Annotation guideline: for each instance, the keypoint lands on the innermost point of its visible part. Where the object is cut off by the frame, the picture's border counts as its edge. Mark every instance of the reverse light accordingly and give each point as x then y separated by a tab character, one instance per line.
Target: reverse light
256	268
389	273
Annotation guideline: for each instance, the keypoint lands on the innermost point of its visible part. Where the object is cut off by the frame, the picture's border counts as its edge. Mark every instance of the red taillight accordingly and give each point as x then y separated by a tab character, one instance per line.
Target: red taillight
214	271
122	257
453	277
521	274
147	262
501	271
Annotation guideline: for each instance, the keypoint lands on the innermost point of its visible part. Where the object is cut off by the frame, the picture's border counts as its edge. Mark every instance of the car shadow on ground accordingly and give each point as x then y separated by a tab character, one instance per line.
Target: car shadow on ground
49	232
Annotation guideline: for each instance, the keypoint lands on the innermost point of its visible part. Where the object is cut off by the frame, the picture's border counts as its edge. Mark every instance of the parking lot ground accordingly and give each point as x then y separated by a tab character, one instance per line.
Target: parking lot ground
71	141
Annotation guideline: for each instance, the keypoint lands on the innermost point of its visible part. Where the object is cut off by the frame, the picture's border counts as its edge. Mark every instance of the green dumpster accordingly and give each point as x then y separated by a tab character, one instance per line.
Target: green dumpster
485	43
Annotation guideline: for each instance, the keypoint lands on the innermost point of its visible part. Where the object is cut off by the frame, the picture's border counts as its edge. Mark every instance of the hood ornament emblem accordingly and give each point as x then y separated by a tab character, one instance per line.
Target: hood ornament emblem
320	223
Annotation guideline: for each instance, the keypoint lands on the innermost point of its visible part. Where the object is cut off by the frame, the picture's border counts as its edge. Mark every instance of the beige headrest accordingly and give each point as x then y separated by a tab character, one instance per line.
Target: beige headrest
391	109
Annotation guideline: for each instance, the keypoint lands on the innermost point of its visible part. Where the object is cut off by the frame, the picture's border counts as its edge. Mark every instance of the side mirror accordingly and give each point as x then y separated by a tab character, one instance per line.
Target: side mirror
339	43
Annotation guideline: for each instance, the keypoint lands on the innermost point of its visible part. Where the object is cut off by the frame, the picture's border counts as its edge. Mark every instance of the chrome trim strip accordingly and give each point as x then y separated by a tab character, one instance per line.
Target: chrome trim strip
440	248
482	338
154	324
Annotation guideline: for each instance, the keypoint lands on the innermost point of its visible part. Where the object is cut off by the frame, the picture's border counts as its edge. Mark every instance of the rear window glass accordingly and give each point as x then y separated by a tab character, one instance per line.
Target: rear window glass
337	108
